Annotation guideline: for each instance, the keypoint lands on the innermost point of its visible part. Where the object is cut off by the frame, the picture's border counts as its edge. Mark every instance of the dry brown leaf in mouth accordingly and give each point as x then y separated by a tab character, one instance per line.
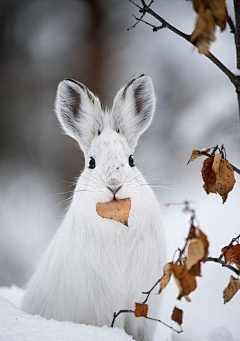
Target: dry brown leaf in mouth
117	210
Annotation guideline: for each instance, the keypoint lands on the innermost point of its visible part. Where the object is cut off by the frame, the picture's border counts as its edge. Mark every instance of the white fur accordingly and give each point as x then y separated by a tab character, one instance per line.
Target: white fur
95	266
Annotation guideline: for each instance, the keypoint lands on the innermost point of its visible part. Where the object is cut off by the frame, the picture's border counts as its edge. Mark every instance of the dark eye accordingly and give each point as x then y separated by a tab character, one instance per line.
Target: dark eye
131	161
92	163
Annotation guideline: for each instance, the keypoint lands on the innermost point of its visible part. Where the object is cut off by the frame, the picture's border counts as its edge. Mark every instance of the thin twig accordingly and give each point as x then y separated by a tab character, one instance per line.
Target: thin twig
115	315
143	13
219	261
165	324
231	25
155	28
149	292
123	311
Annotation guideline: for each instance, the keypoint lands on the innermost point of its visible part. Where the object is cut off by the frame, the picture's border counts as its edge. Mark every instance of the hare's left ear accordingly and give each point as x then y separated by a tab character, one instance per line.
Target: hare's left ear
79	112
133	108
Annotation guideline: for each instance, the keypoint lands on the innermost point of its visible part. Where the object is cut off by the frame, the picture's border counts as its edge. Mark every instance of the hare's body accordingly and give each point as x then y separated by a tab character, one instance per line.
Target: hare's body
96	266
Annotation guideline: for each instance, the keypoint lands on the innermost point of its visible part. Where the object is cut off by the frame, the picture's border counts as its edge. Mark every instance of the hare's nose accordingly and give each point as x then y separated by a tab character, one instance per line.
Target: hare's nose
114	190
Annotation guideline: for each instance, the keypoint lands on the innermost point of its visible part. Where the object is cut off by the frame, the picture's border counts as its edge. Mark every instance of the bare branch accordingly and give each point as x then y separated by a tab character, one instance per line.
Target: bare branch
143	13
235	80
124	311
155	28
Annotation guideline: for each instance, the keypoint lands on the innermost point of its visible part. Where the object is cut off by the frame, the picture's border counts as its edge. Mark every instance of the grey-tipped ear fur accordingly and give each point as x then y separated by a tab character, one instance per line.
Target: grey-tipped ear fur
79	111
133	108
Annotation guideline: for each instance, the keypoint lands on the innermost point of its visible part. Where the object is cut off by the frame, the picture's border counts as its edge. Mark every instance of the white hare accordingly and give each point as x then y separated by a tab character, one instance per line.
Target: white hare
95	266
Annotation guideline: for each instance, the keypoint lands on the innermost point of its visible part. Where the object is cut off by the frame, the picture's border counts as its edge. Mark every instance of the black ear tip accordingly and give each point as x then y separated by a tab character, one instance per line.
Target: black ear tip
70	80
75	82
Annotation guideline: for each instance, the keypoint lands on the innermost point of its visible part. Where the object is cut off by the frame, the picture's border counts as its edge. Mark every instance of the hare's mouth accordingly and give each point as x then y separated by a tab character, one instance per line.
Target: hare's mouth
114	190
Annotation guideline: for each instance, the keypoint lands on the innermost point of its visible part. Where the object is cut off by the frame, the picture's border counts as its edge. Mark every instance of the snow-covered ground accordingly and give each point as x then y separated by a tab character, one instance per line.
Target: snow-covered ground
16	325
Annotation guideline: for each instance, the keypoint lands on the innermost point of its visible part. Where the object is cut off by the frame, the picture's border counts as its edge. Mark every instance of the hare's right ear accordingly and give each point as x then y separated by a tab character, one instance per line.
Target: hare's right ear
133	108
79	112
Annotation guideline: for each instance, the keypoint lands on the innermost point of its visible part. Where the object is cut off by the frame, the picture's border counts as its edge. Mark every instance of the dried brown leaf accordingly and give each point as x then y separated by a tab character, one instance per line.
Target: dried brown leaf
231	289
218	176
232	254
210	14
141	309
195	252
217	8
225	179
195	270
116	209
197	4
216	162
205	241
204	31
177	316
209	176
167	273
219	12
194	156
185	281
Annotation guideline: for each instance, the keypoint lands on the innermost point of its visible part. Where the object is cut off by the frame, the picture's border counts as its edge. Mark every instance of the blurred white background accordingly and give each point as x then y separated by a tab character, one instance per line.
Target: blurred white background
43	42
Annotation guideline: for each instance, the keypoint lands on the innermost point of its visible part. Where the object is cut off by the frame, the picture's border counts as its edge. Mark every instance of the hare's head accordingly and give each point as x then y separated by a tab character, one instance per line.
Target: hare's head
107	138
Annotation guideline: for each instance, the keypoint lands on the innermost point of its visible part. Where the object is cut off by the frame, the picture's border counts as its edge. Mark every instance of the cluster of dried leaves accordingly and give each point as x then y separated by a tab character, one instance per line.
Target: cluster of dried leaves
211	13
217	172
231	254
188	266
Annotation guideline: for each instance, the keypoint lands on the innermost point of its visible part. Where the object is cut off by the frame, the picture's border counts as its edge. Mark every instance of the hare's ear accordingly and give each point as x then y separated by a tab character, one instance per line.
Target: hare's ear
133	108
78	111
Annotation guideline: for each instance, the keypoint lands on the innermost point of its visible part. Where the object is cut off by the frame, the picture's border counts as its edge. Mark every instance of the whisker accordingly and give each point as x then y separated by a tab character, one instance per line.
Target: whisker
70	182
152	170
61	202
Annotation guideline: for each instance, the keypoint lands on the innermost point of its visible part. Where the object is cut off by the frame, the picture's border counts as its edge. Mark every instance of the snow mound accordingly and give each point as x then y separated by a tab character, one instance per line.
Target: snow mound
16	325
12	294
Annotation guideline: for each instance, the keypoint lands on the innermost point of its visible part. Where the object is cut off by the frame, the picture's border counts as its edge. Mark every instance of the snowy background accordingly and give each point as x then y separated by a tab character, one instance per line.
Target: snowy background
41	43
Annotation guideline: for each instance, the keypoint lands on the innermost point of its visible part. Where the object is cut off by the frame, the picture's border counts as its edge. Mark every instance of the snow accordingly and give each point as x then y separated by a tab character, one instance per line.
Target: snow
16	325
12	294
